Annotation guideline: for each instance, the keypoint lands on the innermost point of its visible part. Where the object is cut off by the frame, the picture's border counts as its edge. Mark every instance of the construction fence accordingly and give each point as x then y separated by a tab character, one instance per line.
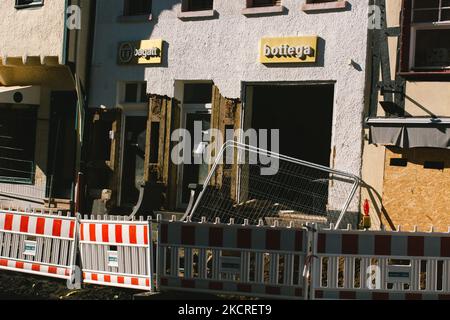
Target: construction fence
225	257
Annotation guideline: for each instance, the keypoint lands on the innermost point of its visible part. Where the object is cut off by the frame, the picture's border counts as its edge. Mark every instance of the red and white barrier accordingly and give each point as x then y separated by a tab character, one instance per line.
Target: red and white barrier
117	253
38	244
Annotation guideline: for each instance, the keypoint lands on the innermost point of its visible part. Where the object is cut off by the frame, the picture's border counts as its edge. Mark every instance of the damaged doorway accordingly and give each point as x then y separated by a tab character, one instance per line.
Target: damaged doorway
302	113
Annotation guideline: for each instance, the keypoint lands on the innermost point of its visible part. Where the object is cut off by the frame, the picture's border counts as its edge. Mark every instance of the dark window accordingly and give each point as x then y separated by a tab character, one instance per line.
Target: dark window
135	92
263	3
17	143
28	3
198	93
131	92
319	1
197	5
137	7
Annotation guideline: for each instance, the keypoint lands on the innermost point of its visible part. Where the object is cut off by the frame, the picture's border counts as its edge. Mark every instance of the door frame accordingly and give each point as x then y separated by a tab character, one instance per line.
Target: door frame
185	110
133	110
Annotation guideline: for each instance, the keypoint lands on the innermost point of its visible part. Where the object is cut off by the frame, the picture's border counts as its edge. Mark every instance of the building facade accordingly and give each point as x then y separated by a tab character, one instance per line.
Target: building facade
297	66
406	153
43	74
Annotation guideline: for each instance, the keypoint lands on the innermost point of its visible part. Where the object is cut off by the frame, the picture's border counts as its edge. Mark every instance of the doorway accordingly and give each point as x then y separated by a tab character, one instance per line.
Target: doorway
133	159
302	113
196	170
62	144
196	114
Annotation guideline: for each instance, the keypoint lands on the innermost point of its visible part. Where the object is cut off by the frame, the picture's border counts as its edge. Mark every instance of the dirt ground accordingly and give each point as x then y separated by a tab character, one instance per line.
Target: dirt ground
17	286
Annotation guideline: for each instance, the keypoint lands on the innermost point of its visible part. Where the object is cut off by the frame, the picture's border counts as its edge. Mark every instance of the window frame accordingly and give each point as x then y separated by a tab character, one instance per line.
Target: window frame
408	45
413	48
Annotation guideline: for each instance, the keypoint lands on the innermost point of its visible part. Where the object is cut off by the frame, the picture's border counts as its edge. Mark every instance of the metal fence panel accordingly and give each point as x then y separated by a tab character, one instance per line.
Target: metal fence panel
251	183
117	253
38	244
230	258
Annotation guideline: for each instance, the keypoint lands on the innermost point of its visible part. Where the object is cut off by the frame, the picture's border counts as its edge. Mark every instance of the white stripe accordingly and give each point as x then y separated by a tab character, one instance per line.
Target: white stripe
112	233
32	225
126	234
48	227
27	266
140	234
2	221
16	223
98	233
65	228
85	227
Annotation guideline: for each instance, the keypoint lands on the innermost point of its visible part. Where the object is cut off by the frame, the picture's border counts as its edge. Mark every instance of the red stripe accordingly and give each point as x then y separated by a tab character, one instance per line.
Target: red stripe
120	280
132	232
107	278
105	235
94	277
72	228
8	222
40	226
147	282
92	232
3	262
19	265
134	281
118	233
82	232
36	267
67	272
24	223
146	235
52	270
56	231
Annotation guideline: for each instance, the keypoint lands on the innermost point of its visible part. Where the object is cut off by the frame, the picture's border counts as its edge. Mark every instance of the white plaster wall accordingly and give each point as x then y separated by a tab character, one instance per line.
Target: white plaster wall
225	50
36	31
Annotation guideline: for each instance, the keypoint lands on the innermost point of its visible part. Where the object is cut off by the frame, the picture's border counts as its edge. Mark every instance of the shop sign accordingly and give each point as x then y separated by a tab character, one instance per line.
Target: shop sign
288	50
140	52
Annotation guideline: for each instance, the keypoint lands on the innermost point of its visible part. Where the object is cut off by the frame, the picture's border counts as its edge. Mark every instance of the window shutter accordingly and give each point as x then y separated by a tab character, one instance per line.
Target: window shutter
405	38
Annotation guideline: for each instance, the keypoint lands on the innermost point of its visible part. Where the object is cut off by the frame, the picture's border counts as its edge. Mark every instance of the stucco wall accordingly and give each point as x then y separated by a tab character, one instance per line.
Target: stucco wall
31	31
225	50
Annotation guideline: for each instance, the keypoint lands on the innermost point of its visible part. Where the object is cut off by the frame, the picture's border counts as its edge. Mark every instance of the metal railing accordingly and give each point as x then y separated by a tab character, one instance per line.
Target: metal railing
267	185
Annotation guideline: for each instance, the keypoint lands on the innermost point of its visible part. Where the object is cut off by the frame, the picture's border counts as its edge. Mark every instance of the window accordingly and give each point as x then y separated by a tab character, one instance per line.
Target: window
263	3
425	34
17	145
135	92
197	5
137	7
28	3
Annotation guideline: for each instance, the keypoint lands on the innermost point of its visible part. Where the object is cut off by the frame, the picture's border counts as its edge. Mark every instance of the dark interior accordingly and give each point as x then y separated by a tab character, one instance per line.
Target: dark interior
303	113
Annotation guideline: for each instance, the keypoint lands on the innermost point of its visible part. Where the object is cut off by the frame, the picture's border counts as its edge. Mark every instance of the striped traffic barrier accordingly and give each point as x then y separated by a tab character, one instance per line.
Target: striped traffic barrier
38	244
381	264
266	261
117	253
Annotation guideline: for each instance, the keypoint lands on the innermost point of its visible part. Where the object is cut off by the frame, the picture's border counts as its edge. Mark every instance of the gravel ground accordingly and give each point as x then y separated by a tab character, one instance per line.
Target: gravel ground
17	286
20	286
